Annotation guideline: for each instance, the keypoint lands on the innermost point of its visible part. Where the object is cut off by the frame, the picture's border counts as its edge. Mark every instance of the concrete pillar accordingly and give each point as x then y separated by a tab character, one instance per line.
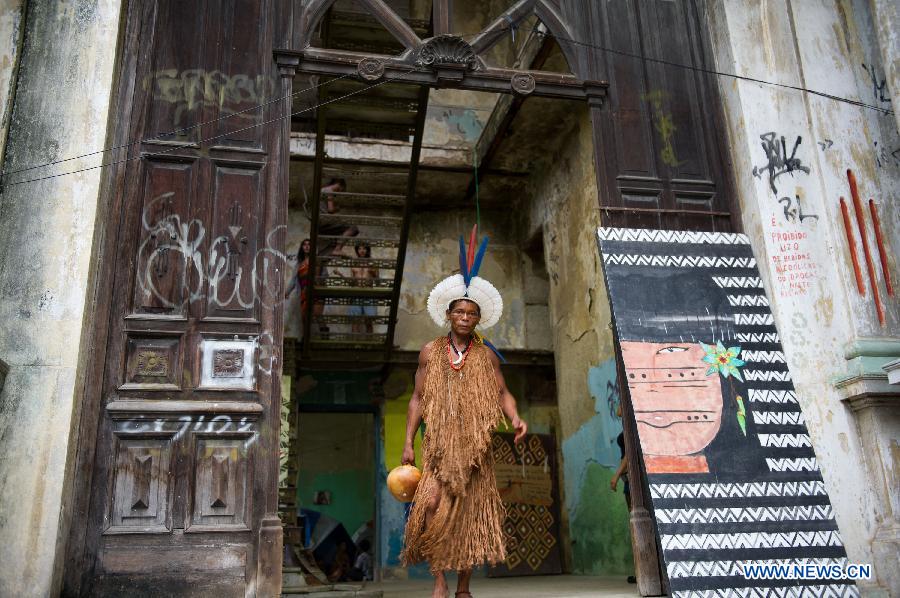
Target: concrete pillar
886	15
805	260
47	228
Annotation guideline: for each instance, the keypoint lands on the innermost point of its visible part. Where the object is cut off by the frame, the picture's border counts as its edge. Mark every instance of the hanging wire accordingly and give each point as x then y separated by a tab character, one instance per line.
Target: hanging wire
707	71
511	27
214	137
160	136
477	204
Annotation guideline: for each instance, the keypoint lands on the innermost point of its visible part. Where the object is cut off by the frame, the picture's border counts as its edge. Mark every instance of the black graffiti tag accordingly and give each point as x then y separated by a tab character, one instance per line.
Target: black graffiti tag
792	213
777	160
884	158
879	89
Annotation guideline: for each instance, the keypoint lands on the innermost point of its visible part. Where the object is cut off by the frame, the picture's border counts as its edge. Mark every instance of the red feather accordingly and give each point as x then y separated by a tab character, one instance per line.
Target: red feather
470	257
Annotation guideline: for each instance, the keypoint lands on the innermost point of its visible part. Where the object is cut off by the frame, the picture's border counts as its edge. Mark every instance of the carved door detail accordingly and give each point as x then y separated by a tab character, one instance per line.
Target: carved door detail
664	166
183	478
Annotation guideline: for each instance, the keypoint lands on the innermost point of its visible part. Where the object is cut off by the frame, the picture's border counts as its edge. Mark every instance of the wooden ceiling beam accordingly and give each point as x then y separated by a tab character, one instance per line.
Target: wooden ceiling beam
319	61
512	110
441	12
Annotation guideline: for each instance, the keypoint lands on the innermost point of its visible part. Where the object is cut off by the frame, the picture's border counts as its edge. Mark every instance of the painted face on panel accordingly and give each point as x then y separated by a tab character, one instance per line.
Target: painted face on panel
678	408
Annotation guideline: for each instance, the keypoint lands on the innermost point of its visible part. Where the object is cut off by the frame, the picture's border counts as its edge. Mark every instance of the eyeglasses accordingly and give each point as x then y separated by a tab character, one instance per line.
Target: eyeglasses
458	313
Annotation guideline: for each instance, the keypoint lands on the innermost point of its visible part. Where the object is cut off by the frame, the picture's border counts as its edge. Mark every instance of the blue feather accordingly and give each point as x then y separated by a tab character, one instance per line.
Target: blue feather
476	265
494	349
462	260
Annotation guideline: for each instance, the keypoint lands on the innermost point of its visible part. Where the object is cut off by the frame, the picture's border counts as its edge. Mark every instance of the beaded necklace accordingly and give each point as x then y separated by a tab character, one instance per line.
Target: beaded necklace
460	360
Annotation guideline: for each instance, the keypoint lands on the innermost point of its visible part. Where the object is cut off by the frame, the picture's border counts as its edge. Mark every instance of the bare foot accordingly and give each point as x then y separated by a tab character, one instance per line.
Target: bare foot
440	588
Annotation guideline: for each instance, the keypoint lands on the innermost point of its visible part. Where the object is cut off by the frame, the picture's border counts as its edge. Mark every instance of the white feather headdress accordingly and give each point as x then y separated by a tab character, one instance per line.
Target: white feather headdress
479	291
467	285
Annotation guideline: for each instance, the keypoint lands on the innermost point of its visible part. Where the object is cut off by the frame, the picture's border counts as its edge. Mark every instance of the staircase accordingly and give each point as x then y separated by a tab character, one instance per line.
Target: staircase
351	318
351	314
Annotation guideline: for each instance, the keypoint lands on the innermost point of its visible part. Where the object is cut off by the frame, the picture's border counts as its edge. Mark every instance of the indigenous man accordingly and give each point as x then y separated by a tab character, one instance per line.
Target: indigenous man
457	515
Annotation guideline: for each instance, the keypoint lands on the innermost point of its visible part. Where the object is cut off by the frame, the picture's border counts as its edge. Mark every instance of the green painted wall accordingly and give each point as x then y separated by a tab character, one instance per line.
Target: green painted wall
337	454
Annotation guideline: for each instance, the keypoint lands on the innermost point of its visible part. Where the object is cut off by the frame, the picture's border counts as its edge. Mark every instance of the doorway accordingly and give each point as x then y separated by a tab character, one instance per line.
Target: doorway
336	488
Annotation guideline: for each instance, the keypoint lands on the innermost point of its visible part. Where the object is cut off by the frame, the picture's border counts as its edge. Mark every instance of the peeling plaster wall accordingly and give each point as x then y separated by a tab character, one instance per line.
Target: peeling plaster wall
433	253
454	122
805	262
10	38
565	208
456	118
46	238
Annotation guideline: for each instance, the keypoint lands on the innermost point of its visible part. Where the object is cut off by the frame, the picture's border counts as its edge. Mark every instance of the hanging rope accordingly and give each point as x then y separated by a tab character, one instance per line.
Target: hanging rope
477	203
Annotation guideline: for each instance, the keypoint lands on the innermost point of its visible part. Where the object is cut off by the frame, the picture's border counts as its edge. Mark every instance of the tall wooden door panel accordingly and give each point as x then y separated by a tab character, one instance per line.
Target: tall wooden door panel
184	469
663	166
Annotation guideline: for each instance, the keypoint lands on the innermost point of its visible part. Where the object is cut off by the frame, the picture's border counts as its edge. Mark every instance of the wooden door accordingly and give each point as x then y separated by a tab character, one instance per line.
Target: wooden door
665	164
183	448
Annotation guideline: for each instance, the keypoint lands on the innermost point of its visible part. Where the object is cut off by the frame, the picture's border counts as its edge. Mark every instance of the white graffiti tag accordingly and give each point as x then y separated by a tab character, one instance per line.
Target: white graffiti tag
172	253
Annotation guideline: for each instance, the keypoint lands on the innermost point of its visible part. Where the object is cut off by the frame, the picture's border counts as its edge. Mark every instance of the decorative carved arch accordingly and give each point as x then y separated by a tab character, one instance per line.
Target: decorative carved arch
315	11
545	13
472	74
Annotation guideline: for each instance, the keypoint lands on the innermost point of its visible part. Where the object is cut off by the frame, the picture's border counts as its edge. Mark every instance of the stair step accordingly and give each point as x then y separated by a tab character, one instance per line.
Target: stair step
361	219
370	338
340	282
351	295
354	241
397	90
349	340
345	198
356	262
350	320
337	299
368	129
369	170
370	101
382	112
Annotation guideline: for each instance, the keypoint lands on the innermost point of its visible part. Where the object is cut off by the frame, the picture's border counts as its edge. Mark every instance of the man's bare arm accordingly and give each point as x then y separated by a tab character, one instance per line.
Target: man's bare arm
414	411
508	401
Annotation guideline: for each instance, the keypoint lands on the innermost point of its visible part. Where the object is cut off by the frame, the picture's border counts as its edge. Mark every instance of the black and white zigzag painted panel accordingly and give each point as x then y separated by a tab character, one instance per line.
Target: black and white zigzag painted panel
733	476
793	464
757	337
642	235
738	282
749	541
772	396
767	375
745	514
763	356
753	319
806	591
748	300
682	261
736	568
737	490
778	418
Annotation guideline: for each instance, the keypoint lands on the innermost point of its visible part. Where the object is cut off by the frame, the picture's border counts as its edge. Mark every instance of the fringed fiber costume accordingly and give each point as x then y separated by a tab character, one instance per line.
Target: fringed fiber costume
460	409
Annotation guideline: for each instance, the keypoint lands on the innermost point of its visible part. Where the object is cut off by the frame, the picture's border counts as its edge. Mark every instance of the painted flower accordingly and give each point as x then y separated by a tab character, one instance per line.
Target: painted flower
722	360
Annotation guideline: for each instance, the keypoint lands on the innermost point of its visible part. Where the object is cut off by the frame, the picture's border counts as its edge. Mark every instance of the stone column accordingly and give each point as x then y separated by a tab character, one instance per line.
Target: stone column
886	14
875	404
